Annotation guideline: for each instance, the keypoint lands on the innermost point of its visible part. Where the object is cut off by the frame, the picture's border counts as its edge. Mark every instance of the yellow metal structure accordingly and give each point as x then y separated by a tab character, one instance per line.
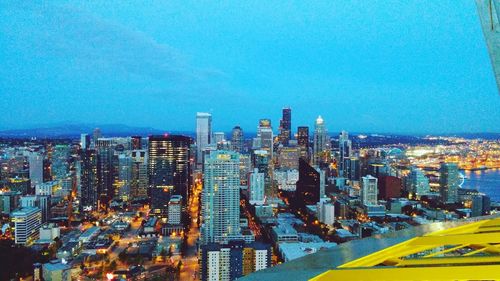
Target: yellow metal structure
467	252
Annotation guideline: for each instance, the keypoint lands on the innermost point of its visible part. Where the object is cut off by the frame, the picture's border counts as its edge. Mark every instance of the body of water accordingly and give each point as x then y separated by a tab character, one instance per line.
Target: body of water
486	181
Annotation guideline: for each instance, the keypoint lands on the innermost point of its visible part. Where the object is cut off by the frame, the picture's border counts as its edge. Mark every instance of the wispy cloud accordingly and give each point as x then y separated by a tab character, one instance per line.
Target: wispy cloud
90	44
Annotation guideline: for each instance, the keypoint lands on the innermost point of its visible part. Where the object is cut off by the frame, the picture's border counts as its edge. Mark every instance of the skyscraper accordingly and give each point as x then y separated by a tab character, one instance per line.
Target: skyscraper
169	170
449	180
417	182
59	162
321	141
139	178
303	136
84	141
96	135
303	141
88	179
286	126
369	190
345	147
35	160
221	197
265	134
308	190
237	139
203	134
105	169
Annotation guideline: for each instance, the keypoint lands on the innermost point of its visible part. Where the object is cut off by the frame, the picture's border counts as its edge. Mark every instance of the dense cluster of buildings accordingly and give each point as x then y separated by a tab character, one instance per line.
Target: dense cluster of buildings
264	199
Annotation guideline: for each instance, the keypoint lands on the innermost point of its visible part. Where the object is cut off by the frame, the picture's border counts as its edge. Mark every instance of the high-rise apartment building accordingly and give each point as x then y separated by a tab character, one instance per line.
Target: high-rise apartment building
88	179
256	187
369	190
203	134
221	197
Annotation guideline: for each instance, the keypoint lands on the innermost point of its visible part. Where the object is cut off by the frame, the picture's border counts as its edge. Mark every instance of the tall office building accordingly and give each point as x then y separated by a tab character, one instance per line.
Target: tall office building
35	160
221	197
345	148
303	141
352	169
139	174
265	135
308	190
175	210
88	180
303	136
169	170
237	139
97	134
449	180
27	223
105	168
256	187
369	190
320	142
219	137
84	141
124	181
417	182
203	134
136	142
286	126
59	162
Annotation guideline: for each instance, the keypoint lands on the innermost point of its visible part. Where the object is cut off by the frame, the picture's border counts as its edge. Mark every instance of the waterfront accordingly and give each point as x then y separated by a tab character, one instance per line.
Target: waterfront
486	181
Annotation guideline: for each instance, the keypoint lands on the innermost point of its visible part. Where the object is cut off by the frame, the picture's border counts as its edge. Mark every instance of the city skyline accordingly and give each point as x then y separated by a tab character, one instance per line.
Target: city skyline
123	64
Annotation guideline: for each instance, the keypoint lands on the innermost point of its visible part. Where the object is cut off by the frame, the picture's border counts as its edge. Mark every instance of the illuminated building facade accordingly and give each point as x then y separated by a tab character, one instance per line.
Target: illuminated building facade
169	170
449	180
286	126
220	210
203	134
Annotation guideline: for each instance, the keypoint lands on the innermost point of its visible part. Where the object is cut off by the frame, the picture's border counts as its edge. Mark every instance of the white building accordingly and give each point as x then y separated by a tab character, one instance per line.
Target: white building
27	222
36	168
174	209
203	134
47	188
320	140
369	190
326	212
256	187
221	197
49	232
286	180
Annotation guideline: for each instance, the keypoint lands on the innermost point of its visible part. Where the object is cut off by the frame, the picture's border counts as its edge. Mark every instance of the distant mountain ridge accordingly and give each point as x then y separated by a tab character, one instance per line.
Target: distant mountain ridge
74	130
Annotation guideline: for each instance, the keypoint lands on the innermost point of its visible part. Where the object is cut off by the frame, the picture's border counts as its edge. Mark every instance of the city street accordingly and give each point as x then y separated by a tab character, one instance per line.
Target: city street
190	266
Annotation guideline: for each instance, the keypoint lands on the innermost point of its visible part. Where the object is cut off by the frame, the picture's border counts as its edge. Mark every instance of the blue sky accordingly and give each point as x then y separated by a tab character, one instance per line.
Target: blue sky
373	66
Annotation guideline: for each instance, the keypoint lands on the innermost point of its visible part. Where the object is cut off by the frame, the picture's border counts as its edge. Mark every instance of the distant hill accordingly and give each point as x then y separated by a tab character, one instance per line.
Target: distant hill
74	131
